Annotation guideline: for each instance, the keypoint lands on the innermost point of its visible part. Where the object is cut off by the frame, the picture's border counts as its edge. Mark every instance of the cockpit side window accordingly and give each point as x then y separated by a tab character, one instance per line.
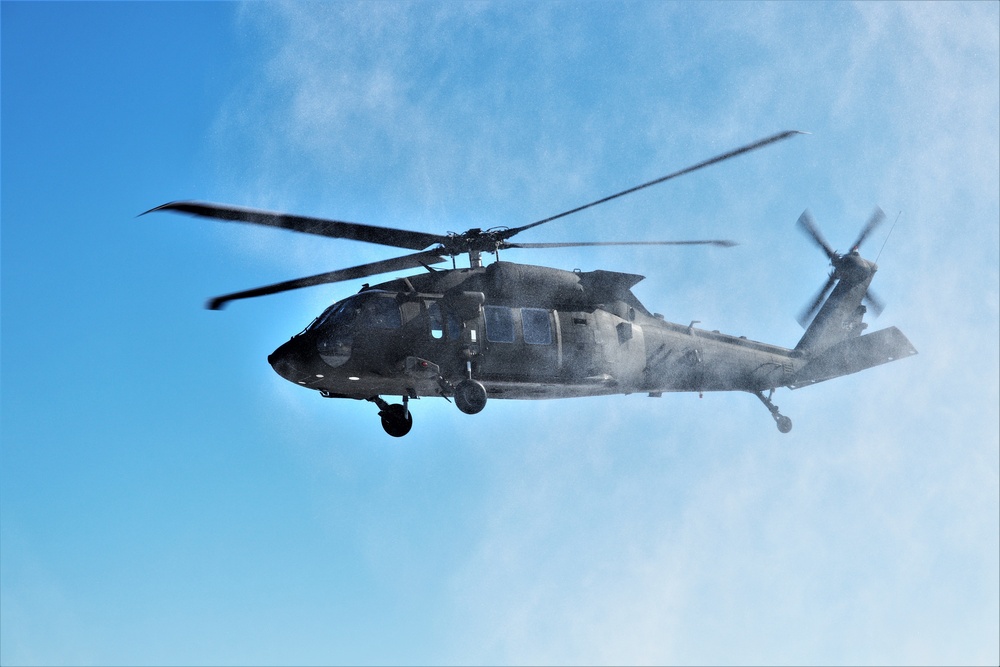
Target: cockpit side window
443	323
436	320
382	313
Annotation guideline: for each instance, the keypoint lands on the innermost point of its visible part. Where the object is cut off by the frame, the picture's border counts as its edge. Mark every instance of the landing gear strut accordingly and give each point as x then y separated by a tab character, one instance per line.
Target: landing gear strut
396	419
783	422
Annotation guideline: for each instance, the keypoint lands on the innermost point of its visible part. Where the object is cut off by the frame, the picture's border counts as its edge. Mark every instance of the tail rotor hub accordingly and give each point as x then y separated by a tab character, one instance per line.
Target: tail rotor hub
853	266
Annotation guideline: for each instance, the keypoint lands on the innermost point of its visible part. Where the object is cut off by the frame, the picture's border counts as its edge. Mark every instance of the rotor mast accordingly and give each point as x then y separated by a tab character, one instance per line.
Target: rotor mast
475	259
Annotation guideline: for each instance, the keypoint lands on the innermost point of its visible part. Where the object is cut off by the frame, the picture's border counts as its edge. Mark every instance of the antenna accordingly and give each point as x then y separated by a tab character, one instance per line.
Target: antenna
887	236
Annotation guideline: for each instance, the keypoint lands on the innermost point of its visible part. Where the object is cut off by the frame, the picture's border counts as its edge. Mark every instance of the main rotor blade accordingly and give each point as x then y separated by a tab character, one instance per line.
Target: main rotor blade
877	217
807	224
722	244
399	238
811	309
384	266
718	158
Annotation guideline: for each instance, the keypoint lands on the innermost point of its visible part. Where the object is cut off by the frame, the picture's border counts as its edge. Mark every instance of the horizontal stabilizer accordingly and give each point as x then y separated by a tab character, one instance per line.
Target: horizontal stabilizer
853	355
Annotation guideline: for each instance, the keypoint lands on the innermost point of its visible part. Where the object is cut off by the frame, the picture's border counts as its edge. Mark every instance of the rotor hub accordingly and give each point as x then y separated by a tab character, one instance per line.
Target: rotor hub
853	266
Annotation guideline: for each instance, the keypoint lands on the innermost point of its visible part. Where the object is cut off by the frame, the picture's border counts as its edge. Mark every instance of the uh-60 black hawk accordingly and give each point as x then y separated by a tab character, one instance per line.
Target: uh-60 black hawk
522	331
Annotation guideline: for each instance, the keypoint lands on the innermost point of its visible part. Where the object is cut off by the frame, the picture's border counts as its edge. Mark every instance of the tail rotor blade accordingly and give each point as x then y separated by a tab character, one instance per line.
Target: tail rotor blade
808	225
814	305
877	305
877	217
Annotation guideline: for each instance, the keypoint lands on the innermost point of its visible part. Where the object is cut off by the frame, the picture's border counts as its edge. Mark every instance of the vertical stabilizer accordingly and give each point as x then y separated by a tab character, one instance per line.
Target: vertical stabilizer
841	315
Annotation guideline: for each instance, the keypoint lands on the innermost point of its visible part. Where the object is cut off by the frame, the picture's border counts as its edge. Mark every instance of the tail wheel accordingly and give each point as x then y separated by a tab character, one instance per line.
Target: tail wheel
784	423
470	397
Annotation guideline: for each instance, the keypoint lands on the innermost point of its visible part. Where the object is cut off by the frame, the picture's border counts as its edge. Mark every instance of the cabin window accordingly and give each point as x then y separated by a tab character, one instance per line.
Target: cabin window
499	324
382	313
537	326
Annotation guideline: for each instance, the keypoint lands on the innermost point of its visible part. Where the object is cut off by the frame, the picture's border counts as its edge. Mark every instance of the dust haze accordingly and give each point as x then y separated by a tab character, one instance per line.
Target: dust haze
683	530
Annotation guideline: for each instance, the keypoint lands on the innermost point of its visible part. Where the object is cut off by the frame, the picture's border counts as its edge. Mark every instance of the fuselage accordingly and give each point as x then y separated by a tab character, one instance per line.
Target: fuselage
524	332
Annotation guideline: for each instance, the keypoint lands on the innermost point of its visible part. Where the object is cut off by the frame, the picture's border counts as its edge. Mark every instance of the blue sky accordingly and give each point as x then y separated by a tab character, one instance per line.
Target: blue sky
168	499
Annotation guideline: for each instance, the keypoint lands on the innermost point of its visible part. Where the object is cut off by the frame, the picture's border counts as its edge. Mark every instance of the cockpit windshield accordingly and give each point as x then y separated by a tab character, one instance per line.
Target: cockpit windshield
332	315
375	309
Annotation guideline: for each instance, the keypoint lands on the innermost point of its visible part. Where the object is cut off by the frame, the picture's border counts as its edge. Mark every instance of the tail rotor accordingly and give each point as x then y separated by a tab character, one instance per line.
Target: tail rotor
850	262
807	313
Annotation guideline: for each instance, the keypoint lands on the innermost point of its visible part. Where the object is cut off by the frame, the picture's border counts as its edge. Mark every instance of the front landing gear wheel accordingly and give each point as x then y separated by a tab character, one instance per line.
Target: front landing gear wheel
396	420
470	397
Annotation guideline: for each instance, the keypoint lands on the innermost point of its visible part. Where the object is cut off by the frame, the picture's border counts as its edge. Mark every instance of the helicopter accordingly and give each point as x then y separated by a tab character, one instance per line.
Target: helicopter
520	331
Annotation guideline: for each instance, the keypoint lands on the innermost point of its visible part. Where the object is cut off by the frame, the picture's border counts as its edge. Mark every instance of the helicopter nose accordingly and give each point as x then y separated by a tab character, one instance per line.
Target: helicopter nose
291	361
